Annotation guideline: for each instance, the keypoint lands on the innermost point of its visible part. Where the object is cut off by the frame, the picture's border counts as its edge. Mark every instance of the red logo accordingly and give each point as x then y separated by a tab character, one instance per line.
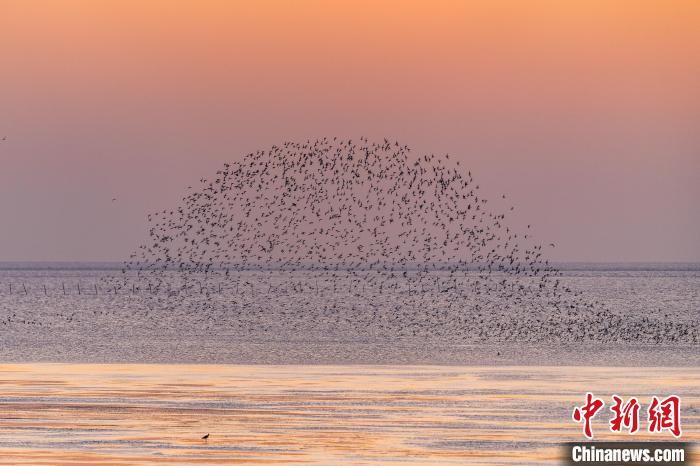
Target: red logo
626	416
662	415
587	412
665	415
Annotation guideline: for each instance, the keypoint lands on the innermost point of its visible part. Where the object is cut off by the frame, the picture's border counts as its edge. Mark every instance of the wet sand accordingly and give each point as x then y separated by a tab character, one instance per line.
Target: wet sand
155	414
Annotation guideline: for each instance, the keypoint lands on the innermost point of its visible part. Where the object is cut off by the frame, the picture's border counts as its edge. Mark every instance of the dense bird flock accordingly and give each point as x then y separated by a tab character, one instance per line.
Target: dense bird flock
355	240
365	239
365	210
335	216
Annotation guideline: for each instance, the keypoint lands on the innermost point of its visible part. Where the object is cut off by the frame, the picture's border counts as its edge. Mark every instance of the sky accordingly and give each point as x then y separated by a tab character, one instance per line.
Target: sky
585	113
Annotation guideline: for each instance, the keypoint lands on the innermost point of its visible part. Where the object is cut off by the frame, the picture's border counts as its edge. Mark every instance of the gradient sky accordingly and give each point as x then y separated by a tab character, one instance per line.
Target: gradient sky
586	113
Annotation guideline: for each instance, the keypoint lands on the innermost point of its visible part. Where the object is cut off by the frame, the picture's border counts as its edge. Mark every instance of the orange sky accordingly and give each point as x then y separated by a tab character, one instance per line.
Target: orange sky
585	112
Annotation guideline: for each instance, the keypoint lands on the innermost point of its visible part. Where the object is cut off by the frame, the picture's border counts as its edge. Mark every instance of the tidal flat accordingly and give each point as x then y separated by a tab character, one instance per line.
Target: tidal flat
144	414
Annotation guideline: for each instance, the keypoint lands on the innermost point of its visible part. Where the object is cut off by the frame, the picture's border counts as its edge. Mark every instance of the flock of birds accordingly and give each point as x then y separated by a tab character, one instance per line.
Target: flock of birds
361	238
358	239
361	209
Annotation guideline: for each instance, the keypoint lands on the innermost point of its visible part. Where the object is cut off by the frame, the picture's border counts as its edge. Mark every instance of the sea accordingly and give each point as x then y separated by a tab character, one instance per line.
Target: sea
280	369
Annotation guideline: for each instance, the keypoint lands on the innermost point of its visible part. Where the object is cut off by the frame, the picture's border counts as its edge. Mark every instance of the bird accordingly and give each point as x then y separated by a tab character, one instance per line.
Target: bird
205	437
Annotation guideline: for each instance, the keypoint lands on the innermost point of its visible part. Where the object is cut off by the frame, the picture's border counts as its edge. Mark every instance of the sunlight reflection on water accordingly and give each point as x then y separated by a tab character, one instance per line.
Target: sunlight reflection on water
151	414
